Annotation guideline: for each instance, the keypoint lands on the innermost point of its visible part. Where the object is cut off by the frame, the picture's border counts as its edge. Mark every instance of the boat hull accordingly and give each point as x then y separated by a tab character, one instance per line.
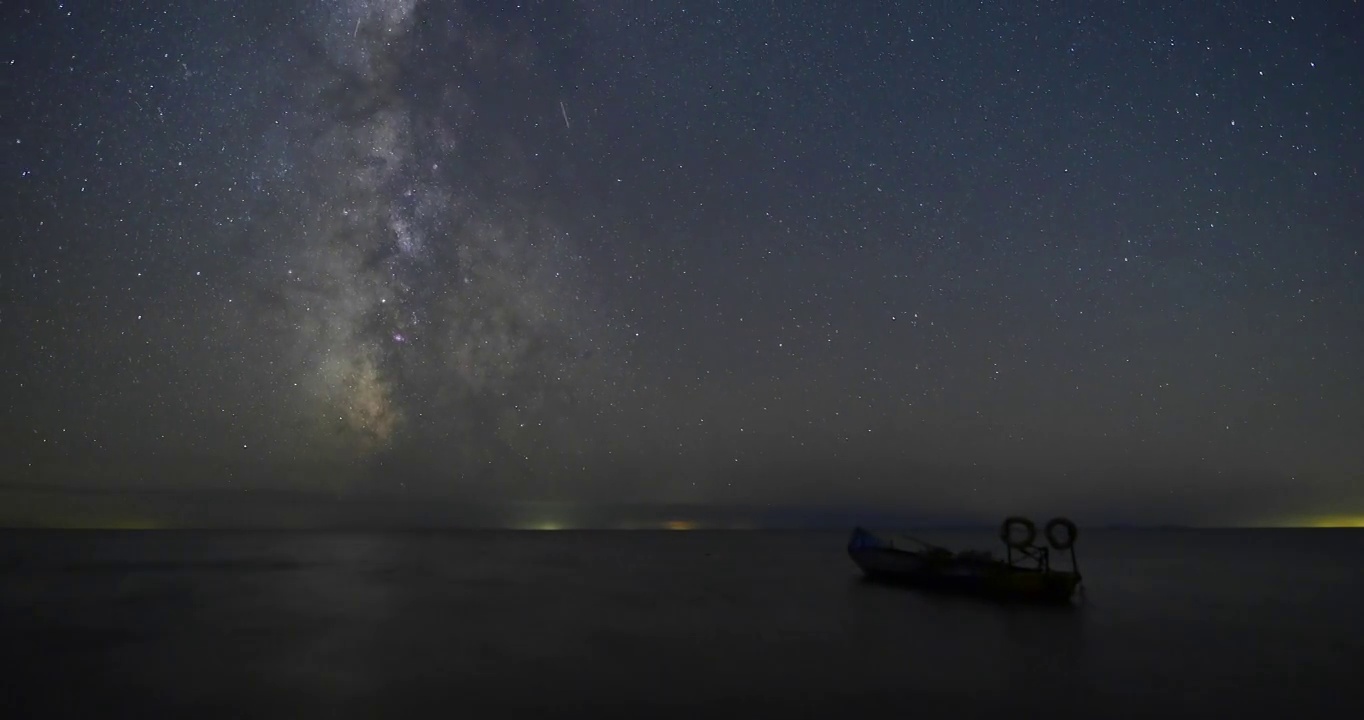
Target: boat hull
882	562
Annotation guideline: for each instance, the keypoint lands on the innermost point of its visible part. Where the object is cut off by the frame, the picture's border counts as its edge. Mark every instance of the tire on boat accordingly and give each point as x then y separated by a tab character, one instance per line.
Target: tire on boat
1071	532
1006	532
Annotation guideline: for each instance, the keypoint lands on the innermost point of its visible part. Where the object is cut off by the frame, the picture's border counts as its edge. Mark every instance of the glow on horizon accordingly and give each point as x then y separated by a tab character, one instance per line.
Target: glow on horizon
1316	521
1337	521
680	525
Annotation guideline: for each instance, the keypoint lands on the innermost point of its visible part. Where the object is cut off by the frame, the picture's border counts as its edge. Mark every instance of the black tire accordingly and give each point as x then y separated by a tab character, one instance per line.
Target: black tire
1068	541
1006	532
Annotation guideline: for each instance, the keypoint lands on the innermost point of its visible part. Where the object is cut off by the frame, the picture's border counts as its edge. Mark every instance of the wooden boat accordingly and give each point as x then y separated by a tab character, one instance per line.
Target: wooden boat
1024	575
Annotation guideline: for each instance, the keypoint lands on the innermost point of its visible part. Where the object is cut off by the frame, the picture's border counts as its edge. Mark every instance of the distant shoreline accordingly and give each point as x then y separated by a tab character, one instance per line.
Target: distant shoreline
36	506
459	529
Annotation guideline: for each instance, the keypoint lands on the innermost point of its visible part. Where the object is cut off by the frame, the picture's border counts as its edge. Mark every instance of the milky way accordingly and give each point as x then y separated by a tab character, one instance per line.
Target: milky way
425	302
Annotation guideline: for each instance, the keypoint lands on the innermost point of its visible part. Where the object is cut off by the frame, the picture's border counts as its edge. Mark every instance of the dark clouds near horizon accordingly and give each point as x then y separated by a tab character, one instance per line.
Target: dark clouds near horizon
951	258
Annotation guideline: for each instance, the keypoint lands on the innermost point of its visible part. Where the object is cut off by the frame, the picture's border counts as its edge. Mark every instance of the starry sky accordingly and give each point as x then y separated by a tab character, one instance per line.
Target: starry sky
1100	258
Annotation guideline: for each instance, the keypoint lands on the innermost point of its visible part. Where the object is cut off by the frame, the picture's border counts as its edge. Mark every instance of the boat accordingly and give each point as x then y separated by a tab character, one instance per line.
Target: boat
1024	574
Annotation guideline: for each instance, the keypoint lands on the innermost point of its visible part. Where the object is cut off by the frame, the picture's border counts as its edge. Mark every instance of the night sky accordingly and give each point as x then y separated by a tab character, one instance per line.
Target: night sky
938	258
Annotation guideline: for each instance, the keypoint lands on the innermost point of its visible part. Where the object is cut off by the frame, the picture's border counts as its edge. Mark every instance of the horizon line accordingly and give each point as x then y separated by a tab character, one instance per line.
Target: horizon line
635	527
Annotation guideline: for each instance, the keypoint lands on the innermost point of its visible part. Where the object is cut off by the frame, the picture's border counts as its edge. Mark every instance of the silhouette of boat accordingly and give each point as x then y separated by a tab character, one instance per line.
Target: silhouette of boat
1025	574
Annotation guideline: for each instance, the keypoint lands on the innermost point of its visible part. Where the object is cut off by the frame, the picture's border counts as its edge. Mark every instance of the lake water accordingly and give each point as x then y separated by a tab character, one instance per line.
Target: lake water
1227	624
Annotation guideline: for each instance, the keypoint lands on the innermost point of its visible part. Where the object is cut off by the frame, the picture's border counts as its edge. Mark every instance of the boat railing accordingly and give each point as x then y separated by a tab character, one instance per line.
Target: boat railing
912	541
1038	555
1028	553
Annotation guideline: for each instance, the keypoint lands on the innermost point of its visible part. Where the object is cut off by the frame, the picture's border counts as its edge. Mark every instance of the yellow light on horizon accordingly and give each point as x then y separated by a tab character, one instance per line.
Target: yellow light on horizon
1337	521
680	525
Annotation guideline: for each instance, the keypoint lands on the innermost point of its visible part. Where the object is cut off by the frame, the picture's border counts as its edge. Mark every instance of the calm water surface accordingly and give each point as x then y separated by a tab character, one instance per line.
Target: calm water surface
490	624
